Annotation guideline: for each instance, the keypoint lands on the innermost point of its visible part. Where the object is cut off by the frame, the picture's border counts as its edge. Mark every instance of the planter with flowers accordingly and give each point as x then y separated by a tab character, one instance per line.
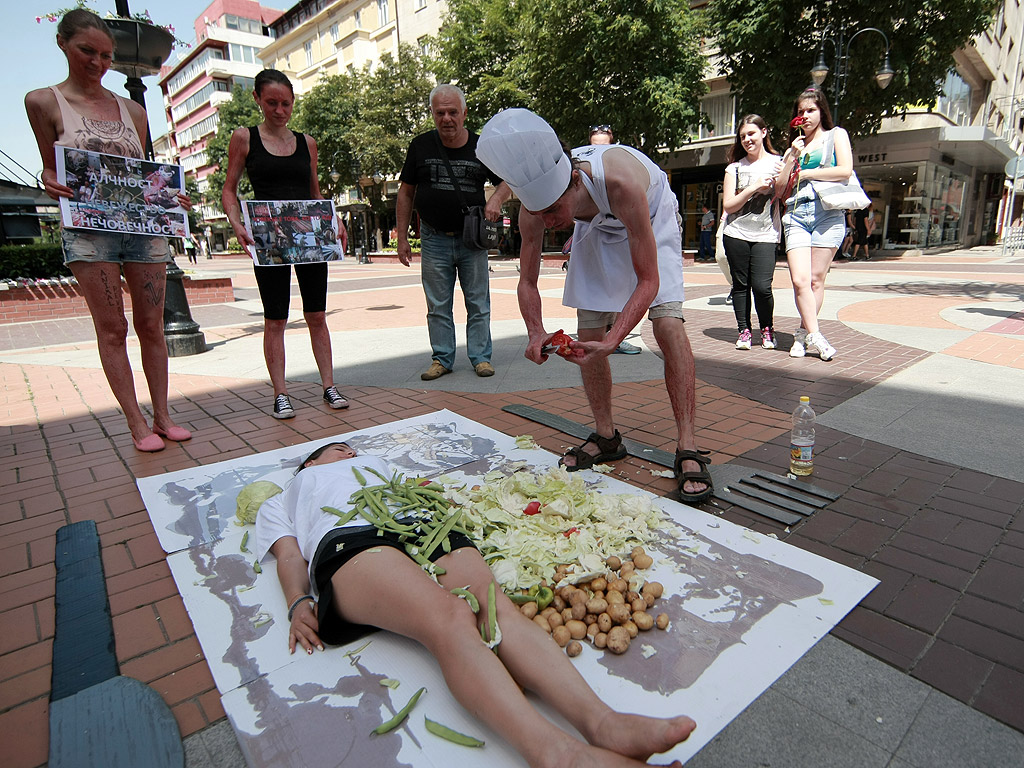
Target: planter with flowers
140	46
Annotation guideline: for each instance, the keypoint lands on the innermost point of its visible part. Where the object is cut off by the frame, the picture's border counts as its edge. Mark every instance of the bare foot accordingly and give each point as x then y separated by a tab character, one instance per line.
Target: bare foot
578	755
639	736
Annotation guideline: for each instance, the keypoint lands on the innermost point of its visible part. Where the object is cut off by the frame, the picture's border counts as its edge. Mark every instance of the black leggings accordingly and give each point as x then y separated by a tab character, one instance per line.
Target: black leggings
275	284
752	266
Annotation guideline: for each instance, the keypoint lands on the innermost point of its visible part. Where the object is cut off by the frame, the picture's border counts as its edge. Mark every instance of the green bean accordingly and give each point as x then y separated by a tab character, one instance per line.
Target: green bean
257	567
453	736
245	540
359	475
378	474
403	713
521	599
492	612
469	598
343	517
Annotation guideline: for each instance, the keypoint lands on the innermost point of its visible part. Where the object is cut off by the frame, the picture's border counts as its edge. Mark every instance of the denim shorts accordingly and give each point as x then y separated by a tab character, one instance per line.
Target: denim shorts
588	318
809	224
113	247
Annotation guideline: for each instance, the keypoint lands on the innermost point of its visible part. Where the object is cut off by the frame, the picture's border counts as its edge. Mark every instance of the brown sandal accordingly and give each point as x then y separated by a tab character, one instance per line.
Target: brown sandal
611	449
703	476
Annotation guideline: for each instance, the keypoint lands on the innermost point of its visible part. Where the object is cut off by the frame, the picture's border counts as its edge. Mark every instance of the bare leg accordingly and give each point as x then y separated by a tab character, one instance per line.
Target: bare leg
799	260
821	260
146	285
445	625
597	383
101	284
273	352
320	339
680	381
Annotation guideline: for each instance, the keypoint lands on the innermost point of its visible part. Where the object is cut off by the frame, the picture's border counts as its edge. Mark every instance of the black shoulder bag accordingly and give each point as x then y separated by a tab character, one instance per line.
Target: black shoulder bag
477	230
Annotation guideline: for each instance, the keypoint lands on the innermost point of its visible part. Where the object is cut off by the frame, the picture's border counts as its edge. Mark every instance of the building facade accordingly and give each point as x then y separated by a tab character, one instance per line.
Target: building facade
934	173
229	36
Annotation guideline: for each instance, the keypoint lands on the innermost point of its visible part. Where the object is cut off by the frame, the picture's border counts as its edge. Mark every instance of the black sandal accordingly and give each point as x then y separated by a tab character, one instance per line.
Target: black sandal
611	449
703	476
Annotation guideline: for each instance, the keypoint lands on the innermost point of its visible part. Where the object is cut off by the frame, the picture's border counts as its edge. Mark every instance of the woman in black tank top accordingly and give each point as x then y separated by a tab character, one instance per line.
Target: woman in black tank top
281	165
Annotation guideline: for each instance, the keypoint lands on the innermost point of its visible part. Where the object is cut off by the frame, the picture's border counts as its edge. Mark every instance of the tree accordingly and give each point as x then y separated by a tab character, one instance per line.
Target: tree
241	110
327	113
636	66
767	49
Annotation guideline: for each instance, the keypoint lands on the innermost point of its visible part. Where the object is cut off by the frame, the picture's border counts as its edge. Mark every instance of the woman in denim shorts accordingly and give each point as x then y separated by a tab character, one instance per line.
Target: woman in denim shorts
821	151
81	113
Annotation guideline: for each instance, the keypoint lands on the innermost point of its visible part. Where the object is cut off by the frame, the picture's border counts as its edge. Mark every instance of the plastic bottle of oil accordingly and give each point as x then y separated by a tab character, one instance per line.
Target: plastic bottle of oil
801	441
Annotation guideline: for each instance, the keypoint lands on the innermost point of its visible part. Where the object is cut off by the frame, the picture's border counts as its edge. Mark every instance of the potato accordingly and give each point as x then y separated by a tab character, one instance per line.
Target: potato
662	621
548	611
600	639
626	569
561	636
597	595
542	622
618	640
656	588
558	604
590	619
632	595
577	629
618	585
577	611
648	598
643	562
638	605
637	550
566	592
631	628
574	648
529	610
643	620
619	613
614	597
592	630
555	620
614	563
579	596
566	615
604	622
599	584
597	606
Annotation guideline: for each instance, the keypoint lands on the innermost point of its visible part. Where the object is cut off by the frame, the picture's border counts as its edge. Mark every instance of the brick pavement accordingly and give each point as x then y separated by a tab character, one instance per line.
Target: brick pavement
946	543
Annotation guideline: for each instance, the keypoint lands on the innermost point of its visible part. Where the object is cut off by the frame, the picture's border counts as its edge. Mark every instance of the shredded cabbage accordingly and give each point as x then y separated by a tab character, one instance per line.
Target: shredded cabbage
524	550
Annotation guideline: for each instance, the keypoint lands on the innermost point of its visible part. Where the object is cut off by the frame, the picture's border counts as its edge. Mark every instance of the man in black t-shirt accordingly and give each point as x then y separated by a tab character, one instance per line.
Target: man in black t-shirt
427	184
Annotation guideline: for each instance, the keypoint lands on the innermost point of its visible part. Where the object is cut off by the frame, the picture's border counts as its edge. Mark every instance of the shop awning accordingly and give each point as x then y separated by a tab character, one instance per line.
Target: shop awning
975	145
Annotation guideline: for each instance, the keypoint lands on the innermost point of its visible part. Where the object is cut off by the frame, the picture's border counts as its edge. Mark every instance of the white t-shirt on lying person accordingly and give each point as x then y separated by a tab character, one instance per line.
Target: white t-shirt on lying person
297	511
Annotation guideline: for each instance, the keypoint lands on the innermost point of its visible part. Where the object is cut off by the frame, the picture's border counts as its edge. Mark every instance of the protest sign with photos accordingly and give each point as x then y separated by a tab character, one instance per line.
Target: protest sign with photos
292	231
121	194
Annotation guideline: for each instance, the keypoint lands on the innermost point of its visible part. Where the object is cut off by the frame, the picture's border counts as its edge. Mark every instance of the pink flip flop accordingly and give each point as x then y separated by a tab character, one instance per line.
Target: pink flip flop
149	444
177	434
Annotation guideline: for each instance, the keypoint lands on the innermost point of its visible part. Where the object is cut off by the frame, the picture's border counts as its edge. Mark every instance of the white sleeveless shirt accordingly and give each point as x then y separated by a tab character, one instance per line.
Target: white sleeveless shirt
601	277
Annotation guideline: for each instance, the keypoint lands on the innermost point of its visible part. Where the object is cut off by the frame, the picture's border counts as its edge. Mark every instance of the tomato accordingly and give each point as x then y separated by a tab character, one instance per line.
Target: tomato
532	508
562	341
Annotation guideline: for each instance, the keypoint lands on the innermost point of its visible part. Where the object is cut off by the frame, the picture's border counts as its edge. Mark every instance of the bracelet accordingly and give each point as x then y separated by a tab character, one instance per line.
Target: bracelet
291	609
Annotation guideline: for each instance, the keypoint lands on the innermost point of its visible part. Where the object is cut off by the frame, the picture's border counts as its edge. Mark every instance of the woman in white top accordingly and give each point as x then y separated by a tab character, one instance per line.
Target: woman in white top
365	580
752	227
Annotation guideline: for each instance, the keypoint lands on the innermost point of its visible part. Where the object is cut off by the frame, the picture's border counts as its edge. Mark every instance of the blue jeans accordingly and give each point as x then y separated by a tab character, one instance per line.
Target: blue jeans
705	250
443	257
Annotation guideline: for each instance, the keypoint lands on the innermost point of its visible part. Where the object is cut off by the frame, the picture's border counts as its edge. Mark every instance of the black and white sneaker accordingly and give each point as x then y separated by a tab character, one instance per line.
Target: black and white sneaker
334	398
283	407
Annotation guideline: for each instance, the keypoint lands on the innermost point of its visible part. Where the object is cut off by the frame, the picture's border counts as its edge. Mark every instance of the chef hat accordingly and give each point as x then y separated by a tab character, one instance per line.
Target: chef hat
521	148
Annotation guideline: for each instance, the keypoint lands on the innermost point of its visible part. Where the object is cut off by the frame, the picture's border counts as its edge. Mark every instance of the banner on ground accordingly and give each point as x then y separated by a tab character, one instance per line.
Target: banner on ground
121	194
292	231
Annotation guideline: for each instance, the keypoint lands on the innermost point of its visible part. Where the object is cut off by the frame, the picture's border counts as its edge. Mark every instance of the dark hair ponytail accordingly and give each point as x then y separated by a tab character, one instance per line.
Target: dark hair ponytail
75	21
268	76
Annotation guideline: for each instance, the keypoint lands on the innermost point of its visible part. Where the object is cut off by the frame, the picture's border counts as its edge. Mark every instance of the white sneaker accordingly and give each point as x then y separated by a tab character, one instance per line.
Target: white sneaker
799	336
825	350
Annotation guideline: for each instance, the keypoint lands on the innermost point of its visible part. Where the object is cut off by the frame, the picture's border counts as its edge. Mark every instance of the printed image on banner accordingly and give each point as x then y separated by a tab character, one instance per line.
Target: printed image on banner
121	194
292	231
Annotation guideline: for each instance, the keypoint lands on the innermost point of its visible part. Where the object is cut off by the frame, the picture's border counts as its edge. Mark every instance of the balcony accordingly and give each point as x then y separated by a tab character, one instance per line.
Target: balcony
219	97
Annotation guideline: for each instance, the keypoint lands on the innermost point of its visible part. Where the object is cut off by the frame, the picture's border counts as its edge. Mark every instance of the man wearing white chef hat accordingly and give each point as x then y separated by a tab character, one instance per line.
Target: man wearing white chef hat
626	260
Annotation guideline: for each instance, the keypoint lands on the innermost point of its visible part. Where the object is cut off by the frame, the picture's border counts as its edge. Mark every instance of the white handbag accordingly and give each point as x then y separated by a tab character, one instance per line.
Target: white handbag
840	195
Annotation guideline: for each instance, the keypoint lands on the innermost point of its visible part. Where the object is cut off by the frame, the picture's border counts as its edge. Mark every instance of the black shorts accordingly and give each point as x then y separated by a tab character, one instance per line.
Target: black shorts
334	630
275	284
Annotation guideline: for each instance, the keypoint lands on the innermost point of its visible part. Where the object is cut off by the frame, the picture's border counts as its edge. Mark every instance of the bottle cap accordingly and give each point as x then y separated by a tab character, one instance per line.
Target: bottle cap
805	399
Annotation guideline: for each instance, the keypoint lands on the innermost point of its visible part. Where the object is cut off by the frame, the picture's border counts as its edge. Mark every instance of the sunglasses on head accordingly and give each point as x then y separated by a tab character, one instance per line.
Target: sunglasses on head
600	129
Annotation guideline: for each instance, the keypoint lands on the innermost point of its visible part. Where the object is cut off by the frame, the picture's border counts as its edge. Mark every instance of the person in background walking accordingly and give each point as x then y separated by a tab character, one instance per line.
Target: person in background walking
705	251
863	226
821	152
752	227
81	113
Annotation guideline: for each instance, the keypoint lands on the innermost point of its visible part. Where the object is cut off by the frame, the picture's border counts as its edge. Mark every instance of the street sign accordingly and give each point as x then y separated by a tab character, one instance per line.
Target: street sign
1015	167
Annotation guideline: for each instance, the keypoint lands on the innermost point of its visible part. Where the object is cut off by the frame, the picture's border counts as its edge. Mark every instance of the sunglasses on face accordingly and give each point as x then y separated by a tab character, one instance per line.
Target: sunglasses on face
600	129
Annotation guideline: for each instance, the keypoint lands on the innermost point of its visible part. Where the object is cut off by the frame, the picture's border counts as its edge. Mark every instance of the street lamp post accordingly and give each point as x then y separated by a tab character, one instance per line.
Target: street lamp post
837	38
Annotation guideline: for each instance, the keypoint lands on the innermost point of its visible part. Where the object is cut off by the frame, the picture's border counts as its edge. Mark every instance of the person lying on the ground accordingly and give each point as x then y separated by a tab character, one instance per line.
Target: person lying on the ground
341	582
